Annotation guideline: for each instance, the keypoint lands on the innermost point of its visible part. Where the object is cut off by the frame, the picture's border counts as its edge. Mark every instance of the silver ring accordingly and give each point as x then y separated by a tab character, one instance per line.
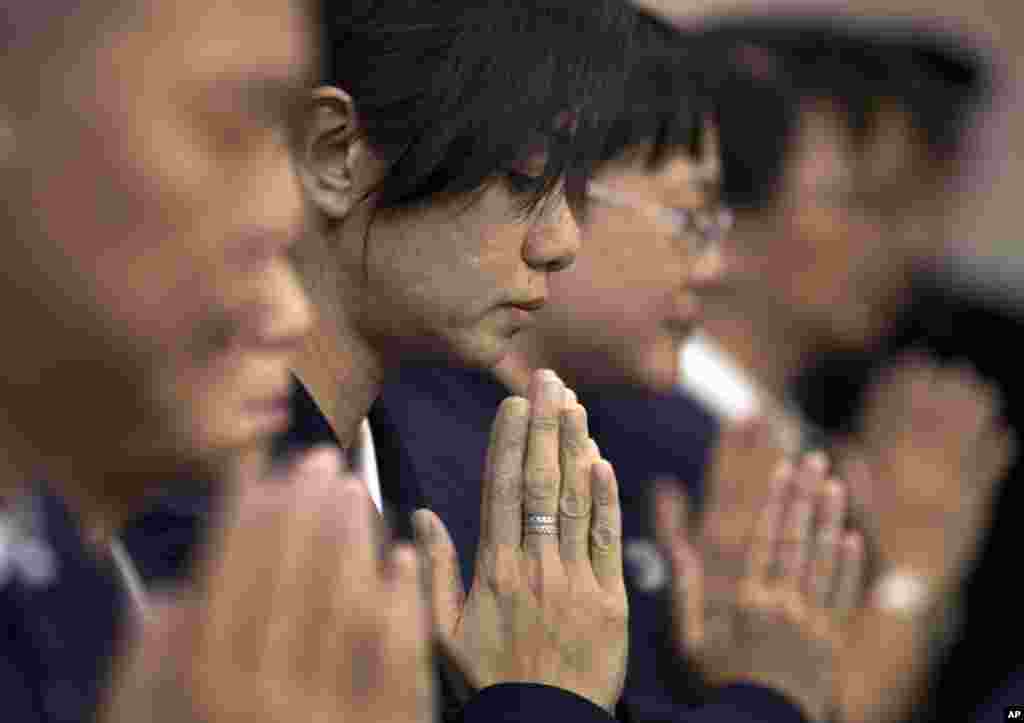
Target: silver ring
540	525
541	520
540	529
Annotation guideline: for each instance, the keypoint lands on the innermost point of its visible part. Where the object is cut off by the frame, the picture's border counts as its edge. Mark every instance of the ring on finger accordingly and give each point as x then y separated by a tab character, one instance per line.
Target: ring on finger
540	525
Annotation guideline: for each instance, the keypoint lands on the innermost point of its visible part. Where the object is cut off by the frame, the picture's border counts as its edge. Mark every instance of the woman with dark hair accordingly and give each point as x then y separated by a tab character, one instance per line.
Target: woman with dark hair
455	266
445	161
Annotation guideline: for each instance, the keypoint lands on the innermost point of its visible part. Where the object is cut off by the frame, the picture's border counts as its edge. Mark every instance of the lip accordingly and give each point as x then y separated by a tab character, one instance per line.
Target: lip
531	304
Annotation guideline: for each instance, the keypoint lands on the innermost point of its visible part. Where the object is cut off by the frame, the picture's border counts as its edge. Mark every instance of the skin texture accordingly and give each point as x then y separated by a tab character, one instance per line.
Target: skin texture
828	262
542	608
313	643
436	280
620	314
797	584
150	204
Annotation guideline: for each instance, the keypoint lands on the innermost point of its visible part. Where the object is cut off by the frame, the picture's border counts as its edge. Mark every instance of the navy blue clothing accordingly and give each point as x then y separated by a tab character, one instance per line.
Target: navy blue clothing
58	639
1010	695
56	651
440	417
956	322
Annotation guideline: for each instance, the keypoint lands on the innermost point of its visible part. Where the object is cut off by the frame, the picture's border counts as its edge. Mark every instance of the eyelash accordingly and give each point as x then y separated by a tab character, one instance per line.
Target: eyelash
523	183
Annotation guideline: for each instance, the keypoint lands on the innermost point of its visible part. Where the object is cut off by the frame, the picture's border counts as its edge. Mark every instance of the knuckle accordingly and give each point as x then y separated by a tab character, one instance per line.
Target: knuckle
573	445
604	536
506	490
541	484
500	573
544	423
574	503
604	495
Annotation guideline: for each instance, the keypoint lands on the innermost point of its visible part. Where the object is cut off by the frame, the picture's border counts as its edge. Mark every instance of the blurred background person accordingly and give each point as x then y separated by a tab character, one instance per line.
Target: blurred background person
845	194
149	207
147	287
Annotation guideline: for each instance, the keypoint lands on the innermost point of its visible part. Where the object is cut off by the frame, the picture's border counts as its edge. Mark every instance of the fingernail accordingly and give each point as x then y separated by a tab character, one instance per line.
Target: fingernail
817	461
322	461
570	398
421	527
545	376
551	391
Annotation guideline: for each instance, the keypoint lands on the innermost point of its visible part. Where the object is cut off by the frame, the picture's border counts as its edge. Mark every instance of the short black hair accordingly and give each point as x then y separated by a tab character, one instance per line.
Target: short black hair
761	71
664	103
451	93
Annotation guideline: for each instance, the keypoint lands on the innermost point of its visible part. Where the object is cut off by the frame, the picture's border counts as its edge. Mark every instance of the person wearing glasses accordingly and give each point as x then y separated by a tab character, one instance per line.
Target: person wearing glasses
613	331
838	267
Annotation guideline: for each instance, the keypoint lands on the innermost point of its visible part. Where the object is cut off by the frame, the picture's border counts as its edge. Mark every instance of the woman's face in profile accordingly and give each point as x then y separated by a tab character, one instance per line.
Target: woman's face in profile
459	277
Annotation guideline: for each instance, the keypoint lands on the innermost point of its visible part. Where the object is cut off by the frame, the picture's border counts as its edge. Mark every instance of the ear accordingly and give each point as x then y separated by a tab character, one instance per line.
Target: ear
336	165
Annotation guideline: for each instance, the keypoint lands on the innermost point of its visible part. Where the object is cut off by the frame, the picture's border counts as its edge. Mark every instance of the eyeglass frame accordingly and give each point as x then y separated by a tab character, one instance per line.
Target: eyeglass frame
694	225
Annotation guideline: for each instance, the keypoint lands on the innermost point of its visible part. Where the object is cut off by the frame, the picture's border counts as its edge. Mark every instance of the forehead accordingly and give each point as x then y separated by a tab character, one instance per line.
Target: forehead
223	36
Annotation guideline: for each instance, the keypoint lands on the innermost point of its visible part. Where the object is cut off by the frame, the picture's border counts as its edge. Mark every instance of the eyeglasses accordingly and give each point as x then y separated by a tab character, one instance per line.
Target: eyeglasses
701	228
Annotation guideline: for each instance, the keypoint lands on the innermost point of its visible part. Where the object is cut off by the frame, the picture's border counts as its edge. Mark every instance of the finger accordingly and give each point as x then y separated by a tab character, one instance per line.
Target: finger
745	460
850	580
542	474
832	511
794	550
687	595
409	627
671	512
502	494
577	455
606	527
442	575
302	601
236	576
761	550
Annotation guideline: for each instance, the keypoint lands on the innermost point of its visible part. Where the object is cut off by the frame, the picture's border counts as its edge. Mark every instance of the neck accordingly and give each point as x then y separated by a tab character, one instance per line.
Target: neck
342	370
13	476
774	356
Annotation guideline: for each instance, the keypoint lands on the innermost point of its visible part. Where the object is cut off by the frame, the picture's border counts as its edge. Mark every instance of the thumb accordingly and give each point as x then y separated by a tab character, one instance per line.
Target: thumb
442	575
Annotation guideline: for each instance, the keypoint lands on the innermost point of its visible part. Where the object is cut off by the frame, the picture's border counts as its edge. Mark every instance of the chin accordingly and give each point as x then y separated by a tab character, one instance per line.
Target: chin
481	350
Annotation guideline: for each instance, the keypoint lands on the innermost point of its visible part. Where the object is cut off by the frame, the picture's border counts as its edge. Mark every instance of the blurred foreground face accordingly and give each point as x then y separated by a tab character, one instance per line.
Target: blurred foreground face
620	314
150	203
831	258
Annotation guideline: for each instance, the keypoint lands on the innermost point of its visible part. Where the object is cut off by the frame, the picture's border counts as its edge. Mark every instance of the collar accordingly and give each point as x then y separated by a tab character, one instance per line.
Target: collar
24	550
364	456
716	380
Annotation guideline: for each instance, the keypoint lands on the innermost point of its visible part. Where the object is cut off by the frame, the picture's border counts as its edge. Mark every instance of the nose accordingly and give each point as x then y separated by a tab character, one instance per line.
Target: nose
709	270
289	312
553	239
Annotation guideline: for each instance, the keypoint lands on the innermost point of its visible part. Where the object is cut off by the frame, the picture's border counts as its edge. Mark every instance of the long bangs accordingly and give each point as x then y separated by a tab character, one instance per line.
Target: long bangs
452	98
